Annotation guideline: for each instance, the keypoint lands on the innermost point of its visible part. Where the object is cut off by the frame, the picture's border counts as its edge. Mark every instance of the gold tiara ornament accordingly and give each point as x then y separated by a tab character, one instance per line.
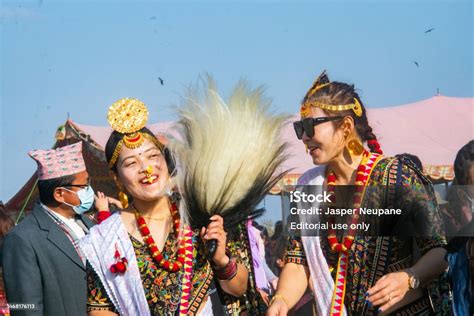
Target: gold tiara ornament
128	116
305	110
317	87
355	107
321	82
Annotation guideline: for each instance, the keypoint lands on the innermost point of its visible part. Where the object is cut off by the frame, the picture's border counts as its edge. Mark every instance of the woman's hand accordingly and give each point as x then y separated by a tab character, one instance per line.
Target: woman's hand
389	290
215	230
102	202
278	308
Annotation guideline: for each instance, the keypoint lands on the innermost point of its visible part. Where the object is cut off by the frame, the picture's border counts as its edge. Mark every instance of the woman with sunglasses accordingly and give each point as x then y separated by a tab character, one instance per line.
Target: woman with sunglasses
143	260
349	272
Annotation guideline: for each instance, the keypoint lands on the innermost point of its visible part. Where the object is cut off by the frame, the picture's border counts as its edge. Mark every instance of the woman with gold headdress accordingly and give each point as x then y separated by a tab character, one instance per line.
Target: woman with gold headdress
143	260
169	245
349	272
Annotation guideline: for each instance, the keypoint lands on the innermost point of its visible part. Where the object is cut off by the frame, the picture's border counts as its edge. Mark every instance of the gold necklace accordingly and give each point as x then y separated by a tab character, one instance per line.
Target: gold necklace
156	218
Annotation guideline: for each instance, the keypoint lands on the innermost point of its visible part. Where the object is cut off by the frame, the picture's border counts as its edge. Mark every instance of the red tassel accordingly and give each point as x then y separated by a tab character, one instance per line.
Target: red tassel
120	267
113	269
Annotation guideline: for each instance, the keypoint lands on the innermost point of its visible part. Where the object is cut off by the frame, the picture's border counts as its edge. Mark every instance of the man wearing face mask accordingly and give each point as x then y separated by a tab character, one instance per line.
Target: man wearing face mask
42	264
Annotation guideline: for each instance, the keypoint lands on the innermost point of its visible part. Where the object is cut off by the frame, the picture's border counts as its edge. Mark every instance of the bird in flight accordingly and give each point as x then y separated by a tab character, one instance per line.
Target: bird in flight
430	30
416	63
161	81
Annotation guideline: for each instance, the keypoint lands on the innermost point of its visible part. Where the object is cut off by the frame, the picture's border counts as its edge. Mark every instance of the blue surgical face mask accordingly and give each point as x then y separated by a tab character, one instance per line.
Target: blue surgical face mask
86	196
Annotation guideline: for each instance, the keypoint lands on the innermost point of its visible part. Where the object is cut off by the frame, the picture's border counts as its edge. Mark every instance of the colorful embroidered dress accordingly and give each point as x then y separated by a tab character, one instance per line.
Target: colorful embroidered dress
394	183
162	289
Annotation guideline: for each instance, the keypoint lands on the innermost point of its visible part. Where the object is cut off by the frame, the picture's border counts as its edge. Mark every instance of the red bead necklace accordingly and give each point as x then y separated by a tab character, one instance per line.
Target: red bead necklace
361	180
171	265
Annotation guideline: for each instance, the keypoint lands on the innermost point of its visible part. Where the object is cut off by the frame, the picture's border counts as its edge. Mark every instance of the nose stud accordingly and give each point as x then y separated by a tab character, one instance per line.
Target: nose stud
148	173
149	170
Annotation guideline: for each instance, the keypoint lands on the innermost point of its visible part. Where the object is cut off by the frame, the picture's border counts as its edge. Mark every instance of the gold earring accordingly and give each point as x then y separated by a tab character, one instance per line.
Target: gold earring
355	148
123	199
307	150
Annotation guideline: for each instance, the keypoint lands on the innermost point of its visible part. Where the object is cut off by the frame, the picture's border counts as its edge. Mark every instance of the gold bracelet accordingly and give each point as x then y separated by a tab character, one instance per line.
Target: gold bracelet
279	296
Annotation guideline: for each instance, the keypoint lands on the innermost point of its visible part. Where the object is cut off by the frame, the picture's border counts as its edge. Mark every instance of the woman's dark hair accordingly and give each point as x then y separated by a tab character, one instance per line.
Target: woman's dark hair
46	188
116	137
339	93
463	162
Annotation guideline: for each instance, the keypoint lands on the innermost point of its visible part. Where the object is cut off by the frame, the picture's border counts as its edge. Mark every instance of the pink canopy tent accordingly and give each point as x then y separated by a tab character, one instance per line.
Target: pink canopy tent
433	129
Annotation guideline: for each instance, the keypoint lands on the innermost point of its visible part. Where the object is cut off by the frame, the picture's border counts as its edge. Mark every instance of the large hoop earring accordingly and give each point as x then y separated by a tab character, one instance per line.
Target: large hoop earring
123	199
355	148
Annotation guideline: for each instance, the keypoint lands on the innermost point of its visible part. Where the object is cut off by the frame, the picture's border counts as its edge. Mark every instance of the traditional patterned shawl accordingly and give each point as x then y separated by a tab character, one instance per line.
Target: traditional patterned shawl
124	290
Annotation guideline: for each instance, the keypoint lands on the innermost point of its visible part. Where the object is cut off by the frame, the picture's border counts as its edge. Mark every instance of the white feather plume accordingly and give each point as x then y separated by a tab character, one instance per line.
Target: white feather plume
228	153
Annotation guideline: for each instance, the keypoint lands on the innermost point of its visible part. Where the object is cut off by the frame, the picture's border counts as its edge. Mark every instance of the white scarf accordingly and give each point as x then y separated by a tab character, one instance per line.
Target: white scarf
323	284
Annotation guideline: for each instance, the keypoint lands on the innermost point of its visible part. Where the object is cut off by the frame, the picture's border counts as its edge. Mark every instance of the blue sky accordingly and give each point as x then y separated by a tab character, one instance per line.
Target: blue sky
77	58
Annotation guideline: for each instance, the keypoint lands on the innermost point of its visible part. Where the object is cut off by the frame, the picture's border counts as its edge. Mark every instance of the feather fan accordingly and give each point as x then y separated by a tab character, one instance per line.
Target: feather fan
229	155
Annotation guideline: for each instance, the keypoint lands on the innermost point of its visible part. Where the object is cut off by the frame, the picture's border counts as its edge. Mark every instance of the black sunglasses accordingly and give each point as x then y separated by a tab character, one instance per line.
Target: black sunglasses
307	125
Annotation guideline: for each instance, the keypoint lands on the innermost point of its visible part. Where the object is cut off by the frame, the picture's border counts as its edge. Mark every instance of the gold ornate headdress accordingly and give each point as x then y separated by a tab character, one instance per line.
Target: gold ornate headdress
321	82
128	116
